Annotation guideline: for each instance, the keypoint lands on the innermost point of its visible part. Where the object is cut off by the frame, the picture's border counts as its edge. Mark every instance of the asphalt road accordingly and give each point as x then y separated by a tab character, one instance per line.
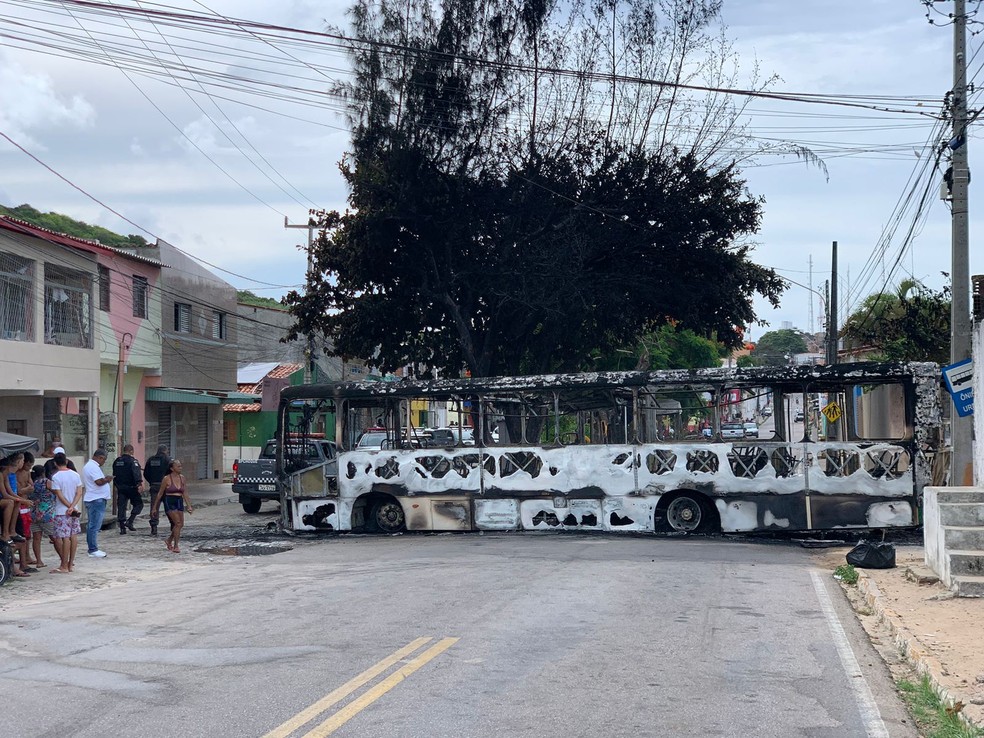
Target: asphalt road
470	635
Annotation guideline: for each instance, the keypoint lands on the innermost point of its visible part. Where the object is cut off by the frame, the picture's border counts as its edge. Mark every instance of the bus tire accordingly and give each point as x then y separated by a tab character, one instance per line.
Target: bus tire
252	505
687	512
386	516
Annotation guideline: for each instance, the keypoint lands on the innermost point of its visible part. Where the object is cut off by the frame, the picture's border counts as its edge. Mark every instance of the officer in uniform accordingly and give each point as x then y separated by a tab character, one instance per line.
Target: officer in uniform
154	472
128	480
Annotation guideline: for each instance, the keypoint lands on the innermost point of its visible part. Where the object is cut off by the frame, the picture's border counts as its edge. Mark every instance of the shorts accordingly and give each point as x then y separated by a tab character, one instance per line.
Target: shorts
24	526
66	526
174	503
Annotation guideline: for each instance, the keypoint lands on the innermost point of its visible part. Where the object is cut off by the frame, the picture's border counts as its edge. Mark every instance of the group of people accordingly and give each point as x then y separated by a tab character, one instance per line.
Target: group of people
46	500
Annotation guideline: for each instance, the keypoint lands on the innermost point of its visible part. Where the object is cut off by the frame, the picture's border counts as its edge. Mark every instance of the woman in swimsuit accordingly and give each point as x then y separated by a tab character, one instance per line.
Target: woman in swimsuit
176	503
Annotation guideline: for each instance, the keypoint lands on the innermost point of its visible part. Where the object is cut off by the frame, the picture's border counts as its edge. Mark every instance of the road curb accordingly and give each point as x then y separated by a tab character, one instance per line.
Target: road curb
908	645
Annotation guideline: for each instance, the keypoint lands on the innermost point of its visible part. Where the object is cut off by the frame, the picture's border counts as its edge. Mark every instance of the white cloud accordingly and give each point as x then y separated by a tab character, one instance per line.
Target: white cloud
30	103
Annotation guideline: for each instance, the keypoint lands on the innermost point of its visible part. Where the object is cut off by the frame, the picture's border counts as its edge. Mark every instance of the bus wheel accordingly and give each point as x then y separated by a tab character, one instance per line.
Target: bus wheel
687	514
387	516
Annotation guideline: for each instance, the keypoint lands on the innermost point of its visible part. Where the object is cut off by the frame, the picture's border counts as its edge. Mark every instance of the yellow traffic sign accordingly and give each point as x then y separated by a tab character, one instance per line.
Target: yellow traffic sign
832	411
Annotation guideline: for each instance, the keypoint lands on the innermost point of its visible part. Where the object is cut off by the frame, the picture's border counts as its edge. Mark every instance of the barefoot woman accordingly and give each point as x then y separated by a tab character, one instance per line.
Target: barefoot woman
176	502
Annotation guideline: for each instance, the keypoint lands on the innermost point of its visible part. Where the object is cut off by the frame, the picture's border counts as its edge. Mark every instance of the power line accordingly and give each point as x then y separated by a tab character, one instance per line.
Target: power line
870	102
135	225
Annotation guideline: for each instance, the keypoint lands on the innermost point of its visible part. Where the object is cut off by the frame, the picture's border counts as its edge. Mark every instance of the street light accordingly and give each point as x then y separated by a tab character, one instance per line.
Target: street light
829	321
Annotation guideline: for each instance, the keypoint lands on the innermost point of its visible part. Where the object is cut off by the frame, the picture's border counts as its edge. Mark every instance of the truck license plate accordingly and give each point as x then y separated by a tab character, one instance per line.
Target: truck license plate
267	487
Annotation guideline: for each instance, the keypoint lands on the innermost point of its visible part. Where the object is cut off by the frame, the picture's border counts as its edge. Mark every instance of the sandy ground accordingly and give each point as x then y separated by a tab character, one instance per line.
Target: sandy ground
133	557
944	632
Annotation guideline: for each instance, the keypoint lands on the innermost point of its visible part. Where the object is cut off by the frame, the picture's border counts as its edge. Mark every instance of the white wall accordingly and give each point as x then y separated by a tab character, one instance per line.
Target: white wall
978	355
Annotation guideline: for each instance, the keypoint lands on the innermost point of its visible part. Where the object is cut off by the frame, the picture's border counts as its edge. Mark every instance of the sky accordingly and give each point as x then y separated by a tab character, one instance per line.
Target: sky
164	157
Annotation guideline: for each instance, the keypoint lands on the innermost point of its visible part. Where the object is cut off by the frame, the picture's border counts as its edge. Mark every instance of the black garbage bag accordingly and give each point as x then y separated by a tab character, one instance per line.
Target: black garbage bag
870	555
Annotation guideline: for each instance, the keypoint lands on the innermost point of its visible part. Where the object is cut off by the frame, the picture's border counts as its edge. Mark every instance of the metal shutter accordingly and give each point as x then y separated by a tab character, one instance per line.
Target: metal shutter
164	428
201	437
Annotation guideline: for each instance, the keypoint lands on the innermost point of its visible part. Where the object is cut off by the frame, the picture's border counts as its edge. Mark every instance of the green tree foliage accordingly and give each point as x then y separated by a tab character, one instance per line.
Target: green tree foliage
773	347
508	220
910	324
248	298
71	227
668	347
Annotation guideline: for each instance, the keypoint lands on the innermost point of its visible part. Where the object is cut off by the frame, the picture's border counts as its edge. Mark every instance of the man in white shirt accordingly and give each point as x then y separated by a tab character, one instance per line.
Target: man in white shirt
67	486
98	489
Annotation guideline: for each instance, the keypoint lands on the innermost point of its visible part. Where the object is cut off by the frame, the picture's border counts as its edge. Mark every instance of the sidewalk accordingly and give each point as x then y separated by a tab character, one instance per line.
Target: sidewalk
207	493
202	494
938	634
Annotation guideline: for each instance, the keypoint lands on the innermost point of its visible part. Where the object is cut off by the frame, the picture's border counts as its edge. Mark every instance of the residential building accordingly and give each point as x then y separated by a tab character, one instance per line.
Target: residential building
261	329
74	313
198	363
249	425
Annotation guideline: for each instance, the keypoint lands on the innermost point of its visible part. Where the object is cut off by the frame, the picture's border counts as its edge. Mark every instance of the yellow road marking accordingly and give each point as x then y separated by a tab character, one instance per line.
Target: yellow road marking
350	710
309	713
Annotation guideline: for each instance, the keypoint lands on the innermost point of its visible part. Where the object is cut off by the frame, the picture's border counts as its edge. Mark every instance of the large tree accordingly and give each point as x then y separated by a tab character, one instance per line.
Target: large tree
910	324
509	218
670	347
776	347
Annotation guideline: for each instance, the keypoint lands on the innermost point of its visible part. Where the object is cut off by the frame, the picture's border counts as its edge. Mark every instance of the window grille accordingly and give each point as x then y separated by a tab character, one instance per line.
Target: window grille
218	325
182	317
67	307
16	298
104	289
139	296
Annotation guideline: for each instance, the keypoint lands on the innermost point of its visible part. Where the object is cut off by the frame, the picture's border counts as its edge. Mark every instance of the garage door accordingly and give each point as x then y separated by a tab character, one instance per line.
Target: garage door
164	428
201	443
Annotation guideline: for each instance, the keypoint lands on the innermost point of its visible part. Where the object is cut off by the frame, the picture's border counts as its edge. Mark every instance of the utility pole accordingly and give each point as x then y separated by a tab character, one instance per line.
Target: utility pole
832	327
962	455
309	369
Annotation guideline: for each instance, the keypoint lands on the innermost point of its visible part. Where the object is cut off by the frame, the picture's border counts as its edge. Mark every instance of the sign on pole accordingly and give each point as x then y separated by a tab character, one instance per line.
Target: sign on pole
832	411
959	379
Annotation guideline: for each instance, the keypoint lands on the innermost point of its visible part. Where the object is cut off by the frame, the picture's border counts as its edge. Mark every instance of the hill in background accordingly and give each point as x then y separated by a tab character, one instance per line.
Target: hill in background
71	227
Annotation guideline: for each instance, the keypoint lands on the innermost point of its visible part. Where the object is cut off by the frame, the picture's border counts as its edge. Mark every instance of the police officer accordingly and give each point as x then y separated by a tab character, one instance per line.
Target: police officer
128	480
154	472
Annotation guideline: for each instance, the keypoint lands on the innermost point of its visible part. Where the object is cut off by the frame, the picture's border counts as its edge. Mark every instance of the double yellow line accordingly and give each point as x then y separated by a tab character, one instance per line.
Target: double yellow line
339	718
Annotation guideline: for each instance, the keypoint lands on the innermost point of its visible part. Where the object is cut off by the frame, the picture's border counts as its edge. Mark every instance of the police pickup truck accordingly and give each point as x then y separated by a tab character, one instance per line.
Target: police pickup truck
255	481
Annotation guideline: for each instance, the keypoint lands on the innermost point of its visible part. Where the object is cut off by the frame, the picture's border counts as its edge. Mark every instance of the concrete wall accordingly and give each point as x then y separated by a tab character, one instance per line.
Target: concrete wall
34	365
196	360
978	354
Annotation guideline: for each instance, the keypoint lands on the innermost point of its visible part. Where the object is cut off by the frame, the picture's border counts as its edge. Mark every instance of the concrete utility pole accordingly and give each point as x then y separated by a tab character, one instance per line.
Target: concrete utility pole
309	369
962	458
832	327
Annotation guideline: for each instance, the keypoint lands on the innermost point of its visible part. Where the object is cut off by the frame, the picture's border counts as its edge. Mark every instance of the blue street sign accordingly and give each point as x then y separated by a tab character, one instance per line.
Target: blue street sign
959	380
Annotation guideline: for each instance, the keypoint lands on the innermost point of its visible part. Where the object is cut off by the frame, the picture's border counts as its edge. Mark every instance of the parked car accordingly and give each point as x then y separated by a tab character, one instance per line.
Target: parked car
371	438
255	481
440	437
751	430
767	411
732	430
